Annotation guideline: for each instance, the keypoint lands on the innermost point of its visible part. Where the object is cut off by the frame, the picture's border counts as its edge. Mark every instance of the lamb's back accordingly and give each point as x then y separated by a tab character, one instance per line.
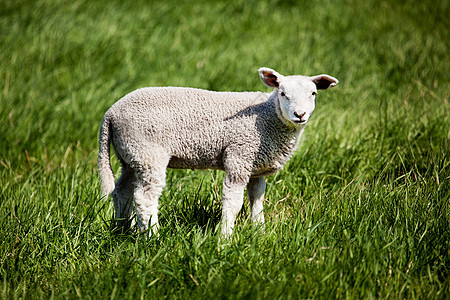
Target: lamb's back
183	100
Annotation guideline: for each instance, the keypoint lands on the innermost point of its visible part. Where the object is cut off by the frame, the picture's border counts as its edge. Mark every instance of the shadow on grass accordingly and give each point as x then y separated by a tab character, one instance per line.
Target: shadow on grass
201	210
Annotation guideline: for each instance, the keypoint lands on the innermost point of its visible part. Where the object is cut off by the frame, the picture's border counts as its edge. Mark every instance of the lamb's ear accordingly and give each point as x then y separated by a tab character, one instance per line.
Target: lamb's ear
324	81
269	77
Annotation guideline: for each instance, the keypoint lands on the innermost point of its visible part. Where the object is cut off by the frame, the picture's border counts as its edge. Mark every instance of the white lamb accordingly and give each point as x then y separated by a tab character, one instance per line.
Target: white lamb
247	134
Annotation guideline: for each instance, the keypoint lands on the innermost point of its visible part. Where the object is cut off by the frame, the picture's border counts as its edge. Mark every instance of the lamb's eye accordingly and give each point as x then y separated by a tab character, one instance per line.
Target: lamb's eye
314	93
282	94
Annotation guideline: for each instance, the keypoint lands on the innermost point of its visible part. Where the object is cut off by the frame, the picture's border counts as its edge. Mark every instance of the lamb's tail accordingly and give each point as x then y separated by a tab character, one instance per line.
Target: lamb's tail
104	165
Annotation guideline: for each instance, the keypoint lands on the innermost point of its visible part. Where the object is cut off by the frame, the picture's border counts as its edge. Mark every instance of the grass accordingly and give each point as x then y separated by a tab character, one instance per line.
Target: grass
361	210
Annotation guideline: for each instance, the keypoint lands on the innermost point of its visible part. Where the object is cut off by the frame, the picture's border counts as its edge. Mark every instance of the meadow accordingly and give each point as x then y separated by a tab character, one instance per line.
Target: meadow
360	211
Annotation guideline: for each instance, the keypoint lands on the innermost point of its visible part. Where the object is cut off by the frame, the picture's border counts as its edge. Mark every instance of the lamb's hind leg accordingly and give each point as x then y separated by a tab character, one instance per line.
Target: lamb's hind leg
149	183
123	199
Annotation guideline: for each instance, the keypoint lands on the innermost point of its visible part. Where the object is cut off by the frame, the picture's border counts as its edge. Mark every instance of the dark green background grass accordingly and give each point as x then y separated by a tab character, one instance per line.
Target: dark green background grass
361	210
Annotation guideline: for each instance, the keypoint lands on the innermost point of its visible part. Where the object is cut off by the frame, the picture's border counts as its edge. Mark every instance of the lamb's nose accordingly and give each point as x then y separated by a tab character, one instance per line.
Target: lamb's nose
300	116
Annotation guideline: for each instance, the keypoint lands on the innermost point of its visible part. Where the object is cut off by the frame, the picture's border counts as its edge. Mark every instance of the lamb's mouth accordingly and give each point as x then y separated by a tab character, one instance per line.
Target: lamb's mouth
299	121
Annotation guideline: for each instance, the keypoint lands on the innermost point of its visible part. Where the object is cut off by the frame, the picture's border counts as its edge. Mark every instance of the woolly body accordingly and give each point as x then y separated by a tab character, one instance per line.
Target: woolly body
242	133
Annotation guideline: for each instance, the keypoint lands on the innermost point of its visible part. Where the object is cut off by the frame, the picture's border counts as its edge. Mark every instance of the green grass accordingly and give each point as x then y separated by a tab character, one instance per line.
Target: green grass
361	210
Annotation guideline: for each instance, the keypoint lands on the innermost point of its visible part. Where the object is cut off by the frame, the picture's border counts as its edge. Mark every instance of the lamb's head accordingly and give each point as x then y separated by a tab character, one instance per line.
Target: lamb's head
296	95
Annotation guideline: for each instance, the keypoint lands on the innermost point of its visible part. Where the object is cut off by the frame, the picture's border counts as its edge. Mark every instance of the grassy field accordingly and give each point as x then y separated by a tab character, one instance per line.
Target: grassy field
361	210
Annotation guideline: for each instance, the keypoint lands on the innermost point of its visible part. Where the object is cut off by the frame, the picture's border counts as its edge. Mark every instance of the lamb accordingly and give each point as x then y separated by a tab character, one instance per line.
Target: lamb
249	135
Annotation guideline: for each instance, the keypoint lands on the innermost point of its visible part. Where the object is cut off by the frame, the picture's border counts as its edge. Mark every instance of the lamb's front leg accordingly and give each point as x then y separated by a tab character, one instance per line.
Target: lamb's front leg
255	189
232	200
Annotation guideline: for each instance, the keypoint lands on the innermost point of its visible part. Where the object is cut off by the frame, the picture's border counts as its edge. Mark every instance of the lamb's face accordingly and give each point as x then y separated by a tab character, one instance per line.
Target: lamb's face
297	99
296	95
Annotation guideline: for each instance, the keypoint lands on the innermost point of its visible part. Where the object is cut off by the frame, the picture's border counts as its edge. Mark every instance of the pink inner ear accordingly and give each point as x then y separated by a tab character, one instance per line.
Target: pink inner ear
271	79
323	82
